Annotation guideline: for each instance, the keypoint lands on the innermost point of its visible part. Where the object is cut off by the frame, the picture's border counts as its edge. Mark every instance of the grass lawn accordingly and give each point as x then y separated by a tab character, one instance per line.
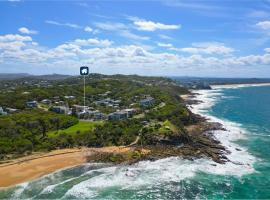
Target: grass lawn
81	126
167	127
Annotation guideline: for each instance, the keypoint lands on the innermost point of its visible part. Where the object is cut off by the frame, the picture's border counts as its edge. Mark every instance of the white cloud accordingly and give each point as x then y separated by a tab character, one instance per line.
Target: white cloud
139	52
165	37
267	50
121	29
110	26
13	42
74	26
34	43
132	36
88	29
167	45
25	30
82	4
14	37
17	50
206	48
153	26
264	25
92	42
70	25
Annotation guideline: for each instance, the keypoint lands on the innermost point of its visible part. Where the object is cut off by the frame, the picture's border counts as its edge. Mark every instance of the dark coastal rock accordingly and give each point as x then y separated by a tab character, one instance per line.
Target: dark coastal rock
237	163
192	102
214	126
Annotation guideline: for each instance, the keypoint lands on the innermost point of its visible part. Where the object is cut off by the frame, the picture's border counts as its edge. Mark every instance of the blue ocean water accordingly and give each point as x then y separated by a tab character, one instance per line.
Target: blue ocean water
250	107
175	178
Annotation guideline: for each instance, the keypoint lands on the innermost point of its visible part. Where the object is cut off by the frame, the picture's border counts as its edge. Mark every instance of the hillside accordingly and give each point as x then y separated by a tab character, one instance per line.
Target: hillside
121	110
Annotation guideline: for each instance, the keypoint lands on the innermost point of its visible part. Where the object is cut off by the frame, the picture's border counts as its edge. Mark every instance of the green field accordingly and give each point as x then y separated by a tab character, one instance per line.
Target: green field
82	126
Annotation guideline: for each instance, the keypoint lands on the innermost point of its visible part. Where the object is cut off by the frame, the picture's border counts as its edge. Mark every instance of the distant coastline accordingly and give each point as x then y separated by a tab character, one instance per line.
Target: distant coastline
217	86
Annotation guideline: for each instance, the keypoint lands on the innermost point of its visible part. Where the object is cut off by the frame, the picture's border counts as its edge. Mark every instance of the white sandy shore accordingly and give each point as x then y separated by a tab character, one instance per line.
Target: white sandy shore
239	85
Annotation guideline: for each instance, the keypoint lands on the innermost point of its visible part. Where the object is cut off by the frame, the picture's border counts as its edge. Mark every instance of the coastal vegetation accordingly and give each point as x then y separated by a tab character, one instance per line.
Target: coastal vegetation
163	121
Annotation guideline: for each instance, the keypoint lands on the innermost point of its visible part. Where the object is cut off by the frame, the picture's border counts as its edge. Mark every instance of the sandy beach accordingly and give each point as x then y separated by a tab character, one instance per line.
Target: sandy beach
34	166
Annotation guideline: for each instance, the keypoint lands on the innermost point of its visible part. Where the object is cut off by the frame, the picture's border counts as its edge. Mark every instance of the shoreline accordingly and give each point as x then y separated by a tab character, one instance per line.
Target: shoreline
29	168
238	85
239	160
34	166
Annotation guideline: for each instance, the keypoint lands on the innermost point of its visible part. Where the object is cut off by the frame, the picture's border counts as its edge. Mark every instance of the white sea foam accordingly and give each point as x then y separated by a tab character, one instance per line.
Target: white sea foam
19	190
147	174
239	85
234	132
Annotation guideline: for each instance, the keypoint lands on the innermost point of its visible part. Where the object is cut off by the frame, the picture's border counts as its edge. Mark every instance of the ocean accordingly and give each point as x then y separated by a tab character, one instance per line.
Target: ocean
245	113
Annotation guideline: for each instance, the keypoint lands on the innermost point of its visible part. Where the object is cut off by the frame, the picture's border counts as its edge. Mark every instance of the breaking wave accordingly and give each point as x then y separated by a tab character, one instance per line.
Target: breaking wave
146	178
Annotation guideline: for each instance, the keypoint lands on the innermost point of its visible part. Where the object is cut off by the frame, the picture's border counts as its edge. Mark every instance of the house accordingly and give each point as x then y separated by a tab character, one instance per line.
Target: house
2	111
56	98
78	109
12	110
69	97
119	115
99	116
31	104
147	102
61	110
81	114
46	101
94	115
130	112
105	94
108	102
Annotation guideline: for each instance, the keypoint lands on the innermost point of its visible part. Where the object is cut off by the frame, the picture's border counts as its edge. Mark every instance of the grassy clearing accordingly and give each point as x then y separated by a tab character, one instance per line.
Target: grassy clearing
167	127
82	126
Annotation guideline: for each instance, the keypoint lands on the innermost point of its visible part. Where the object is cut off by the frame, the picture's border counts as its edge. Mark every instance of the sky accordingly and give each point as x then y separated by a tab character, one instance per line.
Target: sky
155	38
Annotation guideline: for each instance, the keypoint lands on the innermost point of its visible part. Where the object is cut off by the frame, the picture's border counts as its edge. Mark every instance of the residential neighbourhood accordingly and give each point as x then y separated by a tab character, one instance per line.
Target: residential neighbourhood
88	112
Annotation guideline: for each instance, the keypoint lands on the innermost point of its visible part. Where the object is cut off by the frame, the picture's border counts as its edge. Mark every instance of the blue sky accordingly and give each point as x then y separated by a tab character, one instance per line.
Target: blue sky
166	37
